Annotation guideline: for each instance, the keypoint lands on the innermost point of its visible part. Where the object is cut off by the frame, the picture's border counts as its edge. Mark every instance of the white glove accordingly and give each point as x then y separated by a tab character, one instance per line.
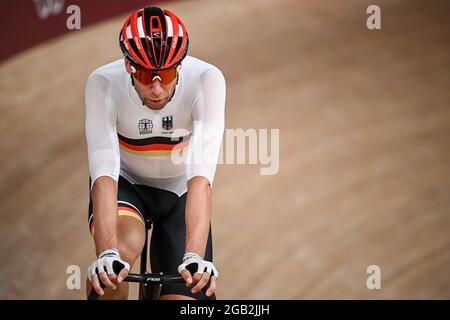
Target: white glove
105	263
193	262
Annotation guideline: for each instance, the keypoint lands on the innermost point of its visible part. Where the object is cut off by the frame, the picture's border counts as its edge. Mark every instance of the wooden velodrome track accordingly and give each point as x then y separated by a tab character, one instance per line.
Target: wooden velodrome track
364	177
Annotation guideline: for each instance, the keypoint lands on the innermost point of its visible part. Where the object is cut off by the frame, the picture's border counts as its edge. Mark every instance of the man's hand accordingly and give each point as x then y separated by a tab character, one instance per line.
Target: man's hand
204	272
106	267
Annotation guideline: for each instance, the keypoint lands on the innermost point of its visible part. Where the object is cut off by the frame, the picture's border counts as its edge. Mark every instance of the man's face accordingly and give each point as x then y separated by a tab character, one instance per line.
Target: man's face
154	95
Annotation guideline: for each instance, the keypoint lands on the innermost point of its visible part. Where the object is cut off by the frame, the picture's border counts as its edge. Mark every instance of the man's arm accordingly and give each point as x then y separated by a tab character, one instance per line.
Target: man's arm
104	197
209	122
198	220
198	215
104	167
104	159
208	116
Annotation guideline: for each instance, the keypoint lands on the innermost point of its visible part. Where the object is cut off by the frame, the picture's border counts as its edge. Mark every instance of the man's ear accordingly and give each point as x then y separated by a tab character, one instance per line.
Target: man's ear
127	66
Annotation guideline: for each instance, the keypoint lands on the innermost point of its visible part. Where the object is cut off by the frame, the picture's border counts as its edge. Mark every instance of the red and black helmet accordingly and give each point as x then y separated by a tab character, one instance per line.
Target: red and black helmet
154	38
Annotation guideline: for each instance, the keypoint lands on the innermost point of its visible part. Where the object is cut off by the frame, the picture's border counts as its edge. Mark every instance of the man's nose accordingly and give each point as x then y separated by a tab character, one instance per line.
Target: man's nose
156	87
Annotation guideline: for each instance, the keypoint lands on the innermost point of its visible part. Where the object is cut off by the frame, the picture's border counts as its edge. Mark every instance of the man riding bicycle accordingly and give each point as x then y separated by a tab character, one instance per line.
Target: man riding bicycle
144	113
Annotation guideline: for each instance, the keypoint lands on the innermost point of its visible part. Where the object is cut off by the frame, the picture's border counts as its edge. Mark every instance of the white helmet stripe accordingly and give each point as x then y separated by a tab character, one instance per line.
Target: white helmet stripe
169	26
140	26
129	36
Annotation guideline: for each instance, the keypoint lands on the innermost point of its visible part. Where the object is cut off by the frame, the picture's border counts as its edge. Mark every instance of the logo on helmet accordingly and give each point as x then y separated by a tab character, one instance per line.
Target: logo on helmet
174	41
137	42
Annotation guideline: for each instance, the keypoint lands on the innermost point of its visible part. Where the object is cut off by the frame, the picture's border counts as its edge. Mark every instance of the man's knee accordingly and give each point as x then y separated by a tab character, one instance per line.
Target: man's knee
130	238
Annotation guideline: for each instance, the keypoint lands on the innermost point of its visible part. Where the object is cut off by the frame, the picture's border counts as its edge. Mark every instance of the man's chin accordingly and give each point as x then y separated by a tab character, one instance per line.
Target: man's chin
155	104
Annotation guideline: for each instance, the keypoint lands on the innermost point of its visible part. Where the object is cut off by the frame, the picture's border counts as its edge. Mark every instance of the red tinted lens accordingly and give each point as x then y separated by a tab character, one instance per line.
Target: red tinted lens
147	76
168	75
143	76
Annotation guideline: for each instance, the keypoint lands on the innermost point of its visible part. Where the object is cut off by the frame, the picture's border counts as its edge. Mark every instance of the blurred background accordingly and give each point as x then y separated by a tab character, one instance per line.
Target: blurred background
364	120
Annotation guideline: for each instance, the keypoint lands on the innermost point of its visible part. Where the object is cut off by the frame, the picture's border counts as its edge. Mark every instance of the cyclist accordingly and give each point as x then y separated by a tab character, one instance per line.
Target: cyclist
154	126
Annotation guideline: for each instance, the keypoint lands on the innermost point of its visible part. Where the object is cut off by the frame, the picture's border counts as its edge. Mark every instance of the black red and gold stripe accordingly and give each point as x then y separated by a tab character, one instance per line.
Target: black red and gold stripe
123	209
154	146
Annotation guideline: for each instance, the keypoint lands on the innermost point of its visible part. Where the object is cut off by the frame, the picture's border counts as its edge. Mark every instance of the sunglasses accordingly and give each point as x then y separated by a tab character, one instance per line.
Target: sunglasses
146	76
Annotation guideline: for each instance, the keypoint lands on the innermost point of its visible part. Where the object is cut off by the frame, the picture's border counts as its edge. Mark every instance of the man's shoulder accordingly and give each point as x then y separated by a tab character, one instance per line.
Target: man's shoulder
194	68
112	71
196	63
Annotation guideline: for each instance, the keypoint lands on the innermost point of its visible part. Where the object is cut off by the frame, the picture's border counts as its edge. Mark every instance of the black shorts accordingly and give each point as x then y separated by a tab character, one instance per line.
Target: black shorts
165	211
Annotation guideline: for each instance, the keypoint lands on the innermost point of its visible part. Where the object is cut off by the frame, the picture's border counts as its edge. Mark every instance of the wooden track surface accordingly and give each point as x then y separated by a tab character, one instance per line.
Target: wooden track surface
364	178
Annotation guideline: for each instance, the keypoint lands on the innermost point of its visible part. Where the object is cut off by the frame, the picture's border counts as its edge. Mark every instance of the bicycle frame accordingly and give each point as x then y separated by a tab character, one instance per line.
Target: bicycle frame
144	260
150	284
